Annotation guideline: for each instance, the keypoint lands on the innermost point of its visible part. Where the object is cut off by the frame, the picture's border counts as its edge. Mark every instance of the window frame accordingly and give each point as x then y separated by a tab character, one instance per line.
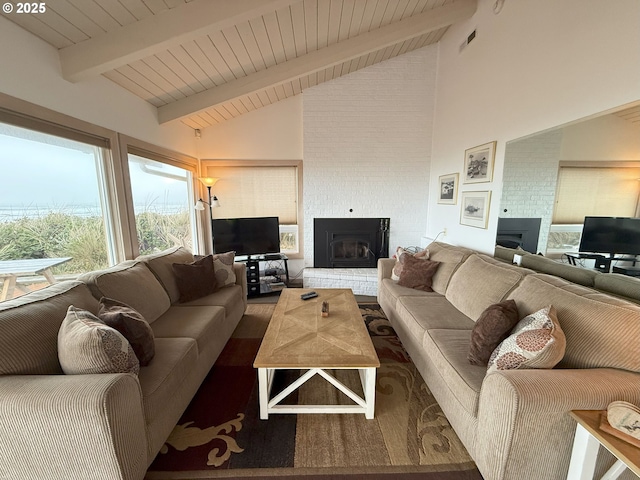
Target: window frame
130	145
27	115
210	163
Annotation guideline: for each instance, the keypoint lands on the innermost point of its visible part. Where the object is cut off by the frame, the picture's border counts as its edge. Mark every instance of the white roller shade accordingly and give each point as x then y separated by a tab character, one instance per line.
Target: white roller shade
582	191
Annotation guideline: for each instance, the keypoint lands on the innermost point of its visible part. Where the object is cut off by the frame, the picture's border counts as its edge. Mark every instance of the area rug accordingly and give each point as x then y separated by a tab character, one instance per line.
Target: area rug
221	435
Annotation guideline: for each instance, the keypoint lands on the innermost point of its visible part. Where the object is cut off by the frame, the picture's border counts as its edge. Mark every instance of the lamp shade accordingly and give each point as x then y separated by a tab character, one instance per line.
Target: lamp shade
199	205
214	202
208	181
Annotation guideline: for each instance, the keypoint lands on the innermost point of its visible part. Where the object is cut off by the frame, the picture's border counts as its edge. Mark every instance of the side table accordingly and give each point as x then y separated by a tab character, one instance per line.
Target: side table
587	441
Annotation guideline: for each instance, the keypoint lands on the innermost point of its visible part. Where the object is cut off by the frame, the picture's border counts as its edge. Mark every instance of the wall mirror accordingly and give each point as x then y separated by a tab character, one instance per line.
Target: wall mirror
553	179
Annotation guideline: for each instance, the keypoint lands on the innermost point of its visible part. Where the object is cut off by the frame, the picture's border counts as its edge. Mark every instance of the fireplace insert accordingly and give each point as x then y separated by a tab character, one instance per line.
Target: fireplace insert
519	232
350	242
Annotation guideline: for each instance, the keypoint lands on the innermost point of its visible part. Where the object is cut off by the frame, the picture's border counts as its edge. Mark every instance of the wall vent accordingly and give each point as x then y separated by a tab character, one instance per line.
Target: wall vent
468	40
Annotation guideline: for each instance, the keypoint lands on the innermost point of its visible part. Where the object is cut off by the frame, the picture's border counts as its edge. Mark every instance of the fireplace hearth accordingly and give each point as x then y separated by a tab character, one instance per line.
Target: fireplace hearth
350	242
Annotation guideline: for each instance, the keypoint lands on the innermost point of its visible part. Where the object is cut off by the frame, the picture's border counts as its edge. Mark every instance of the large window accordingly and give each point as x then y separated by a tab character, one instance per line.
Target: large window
260	189
54	215
163	204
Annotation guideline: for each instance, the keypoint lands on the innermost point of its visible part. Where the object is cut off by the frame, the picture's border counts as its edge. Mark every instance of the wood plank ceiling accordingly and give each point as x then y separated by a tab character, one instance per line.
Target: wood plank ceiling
203	62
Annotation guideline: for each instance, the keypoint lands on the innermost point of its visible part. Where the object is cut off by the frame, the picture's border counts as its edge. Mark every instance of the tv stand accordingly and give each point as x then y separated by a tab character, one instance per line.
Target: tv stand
268	280
602	262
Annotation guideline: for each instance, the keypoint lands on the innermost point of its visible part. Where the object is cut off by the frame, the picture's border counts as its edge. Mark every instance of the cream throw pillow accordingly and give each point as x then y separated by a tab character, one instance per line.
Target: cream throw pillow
537	341
223	267
87	345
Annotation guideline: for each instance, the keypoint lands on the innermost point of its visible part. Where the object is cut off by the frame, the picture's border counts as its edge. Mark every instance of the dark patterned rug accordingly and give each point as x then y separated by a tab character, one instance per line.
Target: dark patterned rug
221	435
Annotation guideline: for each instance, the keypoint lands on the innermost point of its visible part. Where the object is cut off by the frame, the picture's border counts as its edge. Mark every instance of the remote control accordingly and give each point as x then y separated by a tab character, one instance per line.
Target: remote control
307	296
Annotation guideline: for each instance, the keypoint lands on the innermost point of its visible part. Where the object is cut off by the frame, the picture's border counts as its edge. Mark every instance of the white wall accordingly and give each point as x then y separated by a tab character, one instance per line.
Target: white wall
367	143
606	138
269	133
536	65
31	71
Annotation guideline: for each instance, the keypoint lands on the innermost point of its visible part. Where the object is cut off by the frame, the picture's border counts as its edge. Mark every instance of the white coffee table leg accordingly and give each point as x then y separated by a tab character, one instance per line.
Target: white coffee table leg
263	392
583	456
369	387
615	471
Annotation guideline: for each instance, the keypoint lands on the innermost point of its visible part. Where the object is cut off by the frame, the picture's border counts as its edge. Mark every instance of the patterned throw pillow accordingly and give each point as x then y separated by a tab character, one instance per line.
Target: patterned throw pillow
223	266
400	252
537	341
491	328
87	345
130	323
196	279
418	273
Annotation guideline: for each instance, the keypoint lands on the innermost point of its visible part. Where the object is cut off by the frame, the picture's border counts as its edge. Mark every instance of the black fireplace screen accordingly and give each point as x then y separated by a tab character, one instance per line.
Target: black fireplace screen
350	242
518	232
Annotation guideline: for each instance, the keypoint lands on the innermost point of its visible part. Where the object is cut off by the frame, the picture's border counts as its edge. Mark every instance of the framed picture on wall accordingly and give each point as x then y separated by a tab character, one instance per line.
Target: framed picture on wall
474	211
448	188
478	163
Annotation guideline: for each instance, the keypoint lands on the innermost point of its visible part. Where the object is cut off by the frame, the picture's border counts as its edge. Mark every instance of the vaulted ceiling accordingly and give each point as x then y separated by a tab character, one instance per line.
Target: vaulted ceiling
205	61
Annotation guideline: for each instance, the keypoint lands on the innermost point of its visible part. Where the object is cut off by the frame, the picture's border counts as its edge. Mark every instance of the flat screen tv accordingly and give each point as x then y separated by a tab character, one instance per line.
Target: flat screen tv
611	235
246	236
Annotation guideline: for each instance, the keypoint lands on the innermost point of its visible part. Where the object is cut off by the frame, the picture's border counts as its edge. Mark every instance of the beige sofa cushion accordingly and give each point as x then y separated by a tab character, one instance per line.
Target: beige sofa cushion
30	325
420	314
161	380
161	266
480	282
203	324
450	258
447	350
130	282
600	330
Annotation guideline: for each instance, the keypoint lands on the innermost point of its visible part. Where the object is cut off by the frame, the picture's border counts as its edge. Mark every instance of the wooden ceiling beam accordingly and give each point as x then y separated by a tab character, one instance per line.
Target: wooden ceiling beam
318	60
158	33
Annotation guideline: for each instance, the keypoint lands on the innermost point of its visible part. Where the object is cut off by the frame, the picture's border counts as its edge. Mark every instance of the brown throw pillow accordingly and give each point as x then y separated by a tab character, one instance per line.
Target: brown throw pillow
132	325
491	328
418	273
196	279
400	255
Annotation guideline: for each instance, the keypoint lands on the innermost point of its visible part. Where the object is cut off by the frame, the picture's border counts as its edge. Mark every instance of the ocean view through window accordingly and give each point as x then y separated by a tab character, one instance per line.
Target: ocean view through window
52	206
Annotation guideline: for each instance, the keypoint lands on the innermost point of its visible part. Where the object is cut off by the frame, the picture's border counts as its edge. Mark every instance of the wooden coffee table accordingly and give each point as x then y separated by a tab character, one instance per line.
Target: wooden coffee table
299	338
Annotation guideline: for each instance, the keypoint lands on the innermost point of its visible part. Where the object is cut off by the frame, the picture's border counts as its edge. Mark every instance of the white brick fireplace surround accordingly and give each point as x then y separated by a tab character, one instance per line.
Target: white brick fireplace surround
367	153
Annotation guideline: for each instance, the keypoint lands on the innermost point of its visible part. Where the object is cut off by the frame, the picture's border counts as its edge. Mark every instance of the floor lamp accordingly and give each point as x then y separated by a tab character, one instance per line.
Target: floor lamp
212	203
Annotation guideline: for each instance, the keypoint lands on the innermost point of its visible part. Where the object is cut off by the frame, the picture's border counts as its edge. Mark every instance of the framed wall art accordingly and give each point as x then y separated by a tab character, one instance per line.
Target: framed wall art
448	188
478	163
474	211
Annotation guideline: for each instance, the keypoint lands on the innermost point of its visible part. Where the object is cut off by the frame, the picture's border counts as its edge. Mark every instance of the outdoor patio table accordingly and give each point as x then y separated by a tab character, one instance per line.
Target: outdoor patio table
10	270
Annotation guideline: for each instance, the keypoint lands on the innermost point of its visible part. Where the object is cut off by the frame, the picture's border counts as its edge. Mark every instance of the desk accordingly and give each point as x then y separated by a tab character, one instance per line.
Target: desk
587	441
10	270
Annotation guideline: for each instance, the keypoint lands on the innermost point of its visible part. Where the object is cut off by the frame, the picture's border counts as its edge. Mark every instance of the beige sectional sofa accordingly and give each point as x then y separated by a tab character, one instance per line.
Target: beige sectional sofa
514	423
105	426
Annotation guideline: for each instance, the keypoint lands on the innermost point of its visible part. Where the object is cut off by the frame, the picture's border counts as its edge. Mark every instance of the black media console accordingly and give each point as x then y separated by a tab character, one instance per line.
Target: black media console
272	278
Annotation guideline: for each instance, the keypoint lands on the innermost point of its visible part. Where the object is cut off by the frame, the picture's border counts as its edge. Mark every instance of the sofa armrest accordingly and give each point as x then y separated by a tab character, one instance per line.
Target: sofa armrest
524	430
240	269
70	426
385	268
